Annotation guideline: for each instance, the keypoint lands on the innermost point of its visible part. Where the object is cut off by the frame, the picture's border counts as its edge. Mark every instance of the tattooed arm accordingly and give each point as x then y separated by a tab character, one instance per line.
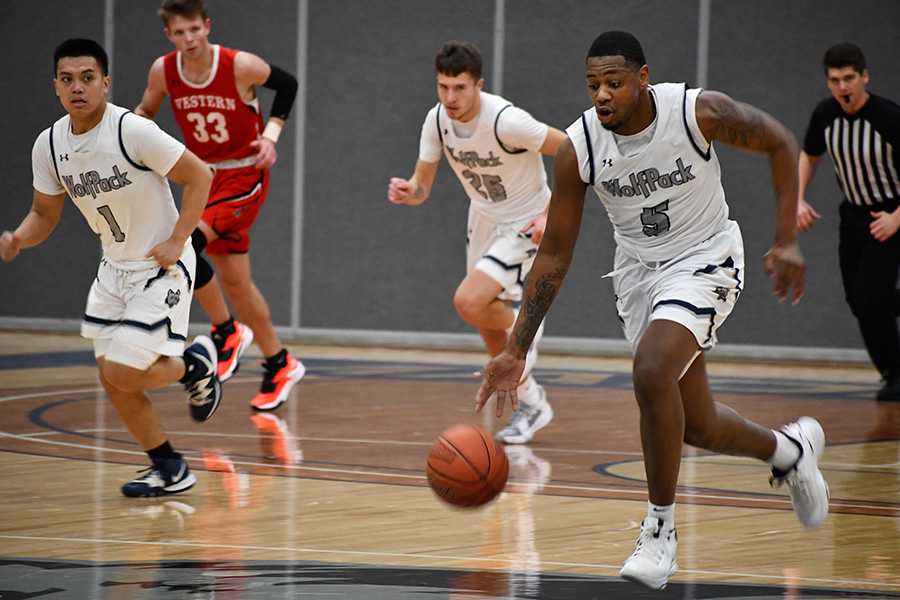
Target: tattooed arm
416	190
748	128
504	372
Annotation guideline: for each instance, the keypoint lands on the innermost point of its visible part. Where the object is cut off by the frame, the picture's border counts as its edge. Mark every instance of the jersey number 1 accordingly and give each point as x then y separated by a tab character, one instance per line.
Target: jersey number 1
117	232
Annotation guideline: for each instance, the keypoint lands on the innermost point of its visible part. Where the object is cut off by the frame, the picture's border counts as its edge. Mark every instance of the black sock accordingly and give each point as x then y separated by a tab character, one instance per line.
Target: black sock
279	361
164	450
225	329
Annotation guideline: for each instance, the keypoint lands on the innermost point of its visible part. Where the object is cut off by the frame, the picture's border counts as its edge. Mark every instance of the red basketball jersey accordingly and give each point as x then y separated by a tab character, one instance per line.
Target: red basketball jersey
215	123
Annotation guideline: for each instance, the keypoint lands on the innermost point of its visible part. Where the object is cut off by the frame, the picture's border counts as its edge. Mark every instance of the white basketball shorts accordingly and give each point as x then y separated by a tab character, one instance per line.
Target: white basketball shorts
697	289
134	317
500	251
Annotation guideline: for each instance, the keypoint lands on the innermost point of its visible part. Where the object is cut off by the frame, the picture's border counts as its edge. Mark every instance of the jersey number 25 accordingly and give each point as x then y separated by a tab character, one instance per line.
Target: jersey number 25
493	185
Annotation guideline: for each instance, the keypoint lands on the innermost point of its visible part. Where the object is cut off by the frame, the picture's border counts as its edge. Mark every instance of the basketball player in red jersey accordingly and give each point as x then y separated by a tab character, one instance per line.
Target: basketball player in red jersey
213	96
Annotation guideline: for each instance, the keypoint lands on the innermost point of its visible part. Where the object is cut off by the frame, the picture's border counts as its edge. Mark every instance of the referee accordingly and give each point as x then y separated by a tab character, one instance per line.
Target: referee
861	132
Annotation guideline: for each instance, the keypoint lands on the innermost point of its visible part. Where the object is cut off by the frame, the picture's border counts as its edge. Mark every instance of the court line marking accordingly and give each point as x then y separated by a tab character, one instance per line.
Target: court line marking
408	555
417	477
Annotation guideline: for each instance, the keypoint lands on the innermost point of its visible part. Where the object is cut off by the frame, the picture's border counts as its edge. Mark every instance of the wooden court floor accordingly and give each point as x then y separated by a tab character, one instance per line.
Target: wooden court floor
326	497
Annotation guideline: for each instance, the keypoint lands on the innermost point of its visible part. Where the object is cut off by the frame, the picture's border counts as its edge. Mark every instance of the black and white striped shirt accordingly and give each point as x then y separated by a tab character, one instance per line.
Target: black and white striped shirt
864	148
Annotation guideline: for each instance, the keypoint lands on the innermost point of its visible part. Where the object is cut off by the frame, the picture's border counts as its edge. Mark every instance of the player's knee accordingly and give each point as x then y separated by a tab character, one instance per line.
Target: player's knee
469	308
124	365
651	384
235	284
121	377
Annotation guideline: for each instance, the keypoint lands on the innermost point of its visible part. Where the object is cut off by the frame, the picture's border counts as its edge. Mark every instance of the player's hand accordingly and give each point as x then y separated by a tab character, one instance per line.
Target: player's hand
786	266
501	375
266	154
538	225
885	224
9	245
399	190
167	253
806	216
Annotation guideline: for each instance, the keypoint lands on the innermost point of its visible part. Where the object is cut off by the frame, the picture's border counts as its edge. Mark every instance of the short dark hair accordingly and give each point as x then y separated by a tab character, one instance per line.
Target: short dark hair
845	54
459	57
182	8
618	43
81	47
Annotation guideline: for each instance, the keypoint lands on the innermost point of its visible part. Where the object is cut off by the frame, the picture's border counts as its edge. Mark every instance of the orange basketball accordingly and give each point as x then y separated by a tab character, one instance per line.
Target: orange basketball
466	466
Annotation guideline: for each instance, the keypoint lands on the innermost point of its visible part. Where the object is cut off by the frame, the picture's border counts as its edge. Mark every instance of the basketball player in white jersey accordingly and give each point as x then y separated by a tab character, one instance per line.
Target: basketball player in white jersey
114	165
647	152
495	149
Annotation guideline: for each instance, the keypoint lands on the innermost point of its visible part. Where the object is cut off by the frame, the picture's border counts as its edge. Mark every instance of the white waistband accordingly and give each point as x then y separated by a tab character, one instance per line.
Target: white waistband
234	163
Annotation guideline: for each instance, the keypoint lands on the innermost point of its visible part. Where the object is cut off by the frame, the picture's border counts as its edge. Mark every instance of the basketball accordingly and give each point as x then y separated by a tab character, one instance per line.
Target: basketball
466	466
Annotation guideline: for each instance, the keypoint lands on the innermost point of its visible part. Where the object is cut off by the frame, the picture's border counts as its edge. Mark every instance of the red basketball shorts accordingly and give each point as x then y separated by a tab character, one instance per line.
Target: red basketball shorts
235	198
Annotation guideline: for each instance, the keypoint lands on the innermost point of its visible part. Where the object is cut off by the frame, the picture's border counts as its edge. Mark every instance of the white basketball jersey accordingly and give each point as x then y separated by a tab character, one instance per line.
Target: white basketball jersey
115	175
504	184
669	196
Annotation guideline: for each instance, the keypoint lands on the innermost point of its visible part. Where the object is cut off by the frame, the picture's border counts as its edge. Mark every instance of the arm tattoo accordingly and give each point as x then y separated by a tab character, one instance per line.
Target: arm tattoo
535	308
419	192
737	124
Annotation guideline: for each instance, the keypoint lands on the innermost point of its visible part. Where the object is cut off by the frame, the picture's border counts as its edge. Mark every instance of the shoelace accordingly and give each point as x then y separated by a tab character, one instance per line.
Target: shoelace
521	415
660	548
200	391
152	475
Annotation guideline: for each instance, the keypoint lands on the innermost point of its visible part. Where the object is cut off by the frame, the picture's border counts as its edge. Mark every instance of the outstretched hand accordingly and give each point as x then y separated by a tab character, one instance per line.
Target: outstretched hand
399	190
501	375
9	245
786	266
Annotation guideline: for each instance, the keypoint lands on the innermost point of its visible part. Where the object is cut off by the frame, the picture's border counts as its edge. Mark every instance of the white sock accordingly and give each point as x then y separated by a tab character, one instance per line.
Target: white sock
787	453
666	514
529	392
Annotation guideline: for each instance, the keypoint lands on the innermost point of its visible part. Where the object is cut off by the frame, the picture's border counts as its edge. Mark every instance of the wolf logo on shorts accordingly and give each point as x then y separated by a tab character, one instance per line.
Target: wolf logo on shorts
173	297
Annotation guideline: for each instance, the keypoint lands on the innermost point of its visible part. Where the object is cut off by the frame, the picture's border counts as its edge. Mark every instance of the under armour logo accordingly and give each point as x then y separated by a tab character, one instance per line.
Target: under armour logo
63	157
446	132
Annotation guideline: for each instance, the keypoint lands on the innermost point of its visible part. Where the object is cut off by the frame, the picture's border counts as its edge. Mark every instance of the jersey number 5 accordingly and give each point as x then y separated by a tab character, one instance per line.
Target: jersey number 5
493	186
214	119
655	219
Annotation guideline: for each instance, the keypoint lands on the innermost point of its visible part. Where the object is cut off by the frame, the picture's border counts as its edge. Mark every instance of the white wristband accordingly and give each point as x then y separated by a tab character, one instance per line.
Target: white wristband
272	131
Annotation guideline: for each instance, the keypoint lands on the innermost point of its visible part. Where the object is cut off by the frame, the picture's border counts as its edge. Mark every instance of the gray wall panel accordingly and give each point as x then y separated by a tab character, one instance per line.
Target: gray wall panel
266	28
774	60
51	280
370	265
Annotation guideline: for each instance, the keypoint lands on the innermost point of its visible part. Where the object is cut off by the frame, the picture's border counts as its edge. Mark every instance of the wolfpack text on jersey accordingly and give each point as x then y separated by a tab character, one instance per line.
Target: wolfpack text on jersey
504	184
116	176
668	197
